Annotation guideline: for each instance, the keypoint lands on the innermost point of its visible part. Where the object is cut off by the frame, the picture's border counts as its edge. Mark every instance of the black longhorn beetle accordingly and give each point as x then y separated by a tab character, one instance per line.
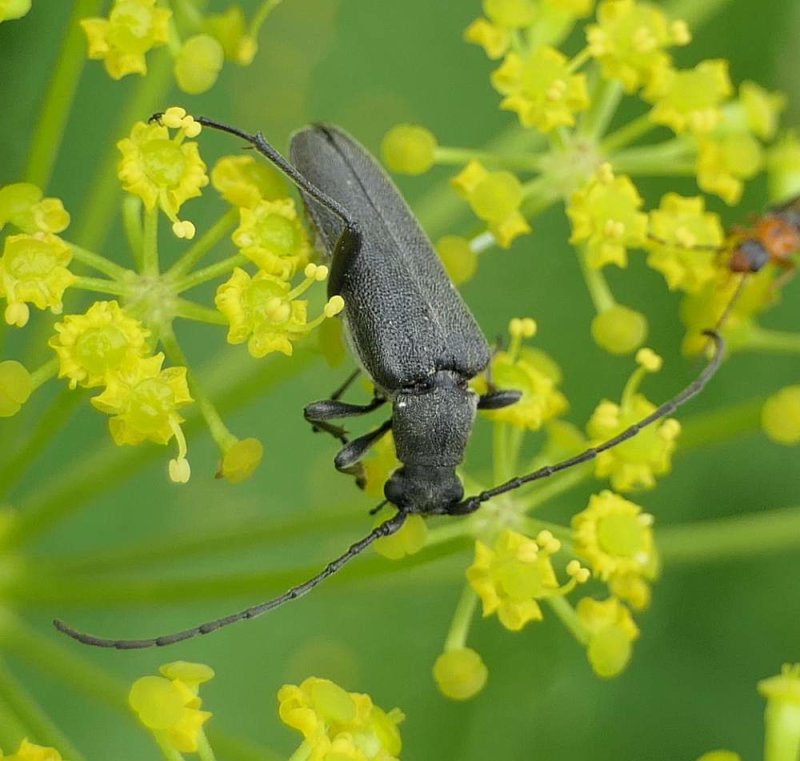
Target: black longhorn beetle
411	333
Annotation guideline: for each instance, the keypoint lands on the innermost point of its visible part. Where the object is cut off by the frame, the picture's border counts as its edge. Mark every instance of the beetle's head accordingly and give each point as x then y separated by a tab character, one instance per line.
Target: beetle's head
425	490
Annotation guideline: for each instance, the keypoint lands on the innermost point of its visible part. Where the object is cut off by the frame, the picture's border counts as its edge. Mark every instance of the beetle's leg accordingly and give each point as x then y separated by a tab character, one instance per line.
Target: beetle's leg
496	399
336	395
349	456
318	413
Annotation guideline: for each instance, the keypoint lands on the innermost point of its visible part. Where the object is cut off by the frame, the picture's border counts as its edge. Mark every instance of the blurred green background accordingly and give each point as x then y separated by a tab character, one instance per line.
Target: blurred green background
713	630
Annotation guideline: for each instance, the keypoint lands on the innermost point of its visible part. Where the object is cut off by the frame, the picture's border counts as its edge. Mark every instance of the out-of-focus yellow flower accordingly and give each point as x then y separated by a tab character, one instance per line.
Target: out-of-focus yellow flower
619	329
198	63
30	752
337	724
132	28
230	29
540	89
611	634
244	181
240	460
493	38
13	9
780	415
16	385
724	160
783	167
409	149
458	258
460	674
22	205
409	540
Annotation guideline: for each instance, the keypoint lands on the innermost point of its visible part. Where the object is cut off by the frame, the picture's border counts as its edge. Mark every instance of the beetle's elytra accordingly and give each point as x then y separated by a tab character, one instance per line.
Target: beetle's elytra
409	331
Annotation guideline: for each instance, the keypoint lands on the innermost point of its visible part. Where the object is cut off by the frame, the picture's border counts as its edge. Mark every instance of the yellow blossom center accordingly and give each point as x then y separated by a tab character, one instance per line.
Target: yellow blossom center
151	402
164	162
277	234
621	535
498	196
131	28
101	348
34	260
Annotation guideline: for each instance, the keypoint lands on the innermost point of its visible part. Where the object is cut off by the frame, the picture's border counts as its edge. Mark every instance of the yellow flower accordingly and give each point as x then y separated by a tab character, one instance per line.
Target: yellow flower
33	269
616	539
460	674
169	705
783	167
13	9
635	463
512	14
16	385
409	149
690	100
458	258
681	242
782	715
92	345
611	633
272	236
241	460
198	63
510	577
409	540
530	371
381	461
163	171
605	213
23	206
495	197
780	416
541	89
337	724
724	160
629	40
263	311
619	329
493	38
132	28
762	109
230	30
244	181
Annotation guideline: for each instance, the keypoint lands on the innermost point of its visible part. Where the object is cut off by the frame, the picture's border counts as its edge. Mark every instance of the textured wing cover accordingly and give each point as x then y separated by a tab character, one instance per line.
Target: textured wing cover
406	318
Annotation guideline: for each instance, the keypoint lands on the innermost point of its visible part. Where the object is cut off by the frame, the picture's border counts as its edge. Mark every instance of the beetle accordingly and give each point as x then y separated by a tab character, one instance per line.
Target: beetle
410	332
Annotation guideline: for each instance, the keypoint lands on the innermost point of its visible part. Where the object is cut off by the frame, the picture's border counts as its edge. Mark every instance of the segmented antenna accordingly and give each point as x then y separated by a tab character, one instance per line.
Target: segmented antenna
471	504
385	529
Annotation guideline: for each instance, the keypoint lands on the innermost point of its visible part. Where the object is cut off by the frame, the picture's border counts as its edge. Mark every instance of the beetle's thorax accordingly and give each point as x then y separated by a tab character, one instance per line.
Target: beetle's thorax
431	424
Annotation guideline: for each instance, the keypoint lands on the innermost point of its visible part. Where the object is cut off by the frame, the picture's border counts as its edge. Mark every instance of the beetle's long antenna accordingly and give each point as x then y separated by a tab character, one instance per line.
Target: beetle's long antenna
259	142
472	503
385	529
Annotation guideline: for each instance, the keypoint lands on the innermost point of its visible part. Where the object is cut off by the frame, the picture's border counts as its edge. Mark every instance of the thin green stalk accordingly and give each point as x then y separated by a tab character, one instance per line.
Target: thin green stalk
204	243
101	203
42	436
303	752
166	749
211	272
44	373
150	265
501	467
53	116
596	284
188	310
458	156
261	14
718	426
204	749
39	727
730	539
99	263
100	285
462	617
603	105
627	134
772	341
132	222
567	615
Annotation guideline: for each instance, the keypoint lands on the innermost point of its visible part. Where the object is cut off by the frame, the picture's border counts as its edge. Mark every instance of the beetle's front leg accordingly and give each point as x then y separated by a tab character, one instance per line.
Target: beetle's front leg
497	398
319	413
348	460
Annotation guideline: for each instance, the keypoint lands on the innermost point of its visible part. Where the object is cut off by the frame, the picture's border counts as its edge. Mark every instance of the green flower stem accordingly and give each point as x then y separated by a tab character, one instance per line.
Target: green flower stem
722	425
538	194
204	243
216	426
100	285
132	222
627	134
97	213
303	752
730	539
772	341
260	16
448	532
44	373
604	101
188	310
458	156
667	159
55	110
166	749
211	272
59	659
39	727
567	615
501	467
560	139
150	243
553	487
782	729
42	436
596	283
232	383
462	618
99	263
204	749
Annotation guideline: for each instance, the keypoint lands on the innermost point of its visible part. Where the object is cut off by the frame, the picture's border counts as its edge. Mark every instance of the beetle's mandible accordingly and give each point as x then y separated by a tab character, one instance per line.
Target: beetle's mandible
409	331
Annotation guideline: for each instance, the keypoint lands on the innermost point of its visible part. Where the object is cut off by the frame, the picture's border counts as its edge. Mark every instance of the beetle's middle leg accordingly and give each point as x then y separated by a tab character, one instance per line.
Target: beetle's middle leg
496	398
319	413
348	459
